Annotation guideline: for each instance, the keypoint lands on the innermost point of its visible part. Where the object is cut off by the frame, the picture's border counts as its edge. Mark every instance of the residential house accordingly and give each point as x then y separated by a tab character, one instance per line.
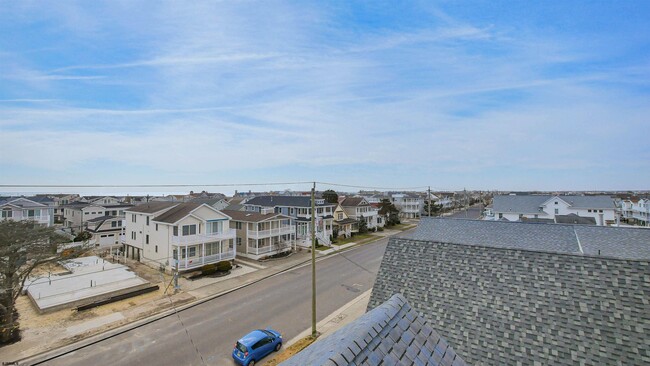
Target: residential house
641	211
77	215
516	208
106	230
358	208
409	204
343	224
260	235
22	208
214	202
298	208
173	235
521	305
59	200
100	200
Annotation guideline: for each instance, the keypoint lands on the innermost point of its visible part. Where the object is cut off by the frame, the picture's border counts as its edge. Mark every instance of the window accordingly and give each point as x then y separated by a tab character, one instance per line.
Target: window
113	223
238	241
156	227
146	239
500	215
147	220
189	230
556	202
600	211
192	252
156	249
175	230
557	211
6	212
214	227
86	213
238	225
133	219
133	235
588	210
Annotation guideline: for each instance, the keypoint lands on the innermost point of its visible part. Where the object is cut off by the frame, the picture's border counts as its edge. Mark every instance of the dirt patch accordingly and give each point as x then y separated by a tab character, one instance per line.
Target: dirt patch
290	351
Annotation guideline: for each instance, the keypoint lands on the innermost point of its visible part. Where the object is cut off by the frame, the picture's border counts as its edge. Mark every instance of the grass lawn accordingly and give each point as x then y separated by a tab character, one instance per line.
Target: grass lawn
354	239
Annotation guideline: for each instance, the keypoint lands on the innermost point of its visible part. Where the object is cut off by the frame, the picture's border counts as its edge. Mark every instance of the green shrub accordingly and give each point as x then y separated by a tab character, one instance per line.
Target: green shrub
224	266
380	229
209	269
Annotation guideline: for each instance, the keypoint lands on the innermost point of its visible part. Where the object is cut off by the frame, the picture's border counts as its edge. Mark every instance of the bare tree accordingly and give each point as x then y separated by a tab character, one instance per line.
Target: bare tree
23	246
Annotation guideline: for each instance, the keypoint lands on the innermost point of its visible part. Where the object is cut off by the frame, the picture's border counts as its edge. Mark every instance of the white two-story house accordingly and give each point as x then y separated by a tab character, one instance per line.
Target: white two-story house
516	208
409	204
79	215
260	235
641	211
298	208
173	235
359	209
22	209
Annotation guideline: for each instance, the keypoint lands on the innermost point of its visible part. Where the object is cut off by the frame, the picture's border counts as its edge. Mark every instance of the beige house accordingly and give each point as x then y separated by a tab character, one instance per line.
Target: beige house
260	235
359	209
178	235
343	223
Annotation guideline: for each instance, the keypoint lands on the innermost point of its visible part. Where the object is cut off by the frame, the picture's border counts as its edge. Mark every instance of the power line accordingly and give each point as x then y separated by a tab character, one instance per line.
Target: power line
369	187
145	185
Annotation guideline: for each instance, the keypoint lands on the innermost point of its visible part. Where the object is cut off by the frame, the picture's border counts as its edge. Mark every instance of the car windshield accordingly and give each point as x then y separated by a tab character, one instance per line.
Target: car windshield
241	347
268	333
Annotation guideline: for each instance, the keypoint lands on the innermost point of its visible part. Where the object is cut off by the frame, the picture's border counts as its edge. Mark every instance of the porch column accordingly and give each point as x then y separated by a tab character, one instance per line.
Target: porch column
202	253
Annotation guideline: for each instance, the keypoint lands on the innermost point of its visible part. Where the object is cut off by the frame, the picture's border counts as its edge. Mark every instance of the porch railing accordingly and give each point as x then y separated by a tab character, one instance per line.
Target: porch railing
260	234
203	238
194	262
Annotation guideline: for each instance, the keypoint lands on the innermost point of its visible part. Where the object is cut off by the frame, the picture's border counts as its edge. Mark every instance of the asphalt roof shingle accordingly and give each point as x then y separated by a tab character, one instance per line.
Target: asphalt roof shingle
177	212
499	306
392	333
627	243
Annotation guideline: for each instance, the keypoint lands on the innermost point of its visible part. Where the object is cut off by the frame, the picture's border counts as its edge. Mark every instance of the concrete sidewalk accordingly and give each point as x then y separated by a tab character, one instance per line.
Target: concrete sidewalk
335	321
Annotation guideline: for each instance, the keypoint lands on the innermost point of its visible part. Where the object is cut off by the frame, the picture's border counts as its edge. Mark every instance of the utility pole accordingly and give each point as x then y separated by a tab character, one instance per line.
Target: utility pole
313	261
429	204
466	202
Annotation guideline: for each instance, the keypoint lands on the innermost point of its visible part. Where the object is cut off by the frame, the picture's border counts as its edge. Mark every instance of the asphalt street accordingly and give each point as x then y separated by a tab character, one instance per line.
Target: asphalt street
205	334
473	212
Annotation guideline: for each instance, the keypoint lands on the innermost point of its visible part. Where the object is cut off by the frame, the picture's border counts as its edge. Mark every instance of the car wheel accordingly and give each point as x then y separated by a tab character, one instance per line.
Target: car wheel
251	363
277	348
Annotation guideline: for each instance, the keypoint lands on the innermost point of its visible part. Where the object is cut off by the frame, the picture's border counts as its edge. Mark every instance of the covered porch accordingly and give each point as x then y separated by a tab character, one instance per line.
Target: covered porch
186	257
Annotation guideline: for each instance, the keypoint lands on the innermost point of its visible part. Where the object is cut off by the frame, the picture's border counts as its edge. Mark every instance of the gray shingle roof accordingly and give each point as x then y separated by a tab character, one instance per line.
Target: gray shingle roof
531	204
392	333
590	201
500	306
519	204
152	207
177	212
285	201
631	243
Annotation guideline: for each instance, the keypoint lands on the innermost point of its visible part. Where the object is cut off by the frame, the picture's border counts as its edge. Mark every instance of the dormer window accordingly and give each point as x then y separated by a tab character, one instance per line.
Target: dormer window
556	202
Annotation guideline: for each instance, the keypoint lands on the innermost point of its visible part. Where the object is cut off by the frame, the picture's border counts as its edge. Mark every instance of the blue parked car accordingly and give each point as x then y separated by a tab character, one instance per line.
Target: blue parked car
255	345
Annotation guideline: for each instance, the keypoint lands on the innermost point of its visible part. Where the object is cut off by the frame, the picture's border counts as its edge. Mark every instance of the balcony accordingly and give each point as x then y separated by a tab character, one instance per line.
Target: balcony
276	248
262	234
196	262
203	238
43	219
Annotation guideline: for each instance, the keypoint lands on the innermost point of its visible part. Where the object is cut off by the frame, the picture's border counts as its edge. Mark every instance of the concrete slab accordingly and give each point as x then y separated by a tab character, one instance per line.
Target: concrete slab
90	278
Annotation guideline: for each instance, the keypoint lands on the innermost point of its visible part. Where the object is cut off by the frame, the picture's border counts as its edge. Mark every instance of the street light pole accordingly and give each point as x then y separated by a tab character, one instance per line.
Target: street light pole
313	261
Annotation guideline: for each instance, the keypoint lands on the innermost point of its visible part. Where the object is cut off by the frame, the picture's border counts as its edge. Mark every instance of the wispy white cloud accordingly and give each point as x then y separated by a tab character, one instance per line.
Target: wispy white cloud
284	85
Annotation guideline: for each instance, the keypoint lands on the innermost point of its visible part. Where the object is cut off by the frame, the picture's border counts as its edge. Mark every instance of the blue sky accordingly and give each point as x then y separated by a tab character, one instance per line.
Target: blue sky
482	95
